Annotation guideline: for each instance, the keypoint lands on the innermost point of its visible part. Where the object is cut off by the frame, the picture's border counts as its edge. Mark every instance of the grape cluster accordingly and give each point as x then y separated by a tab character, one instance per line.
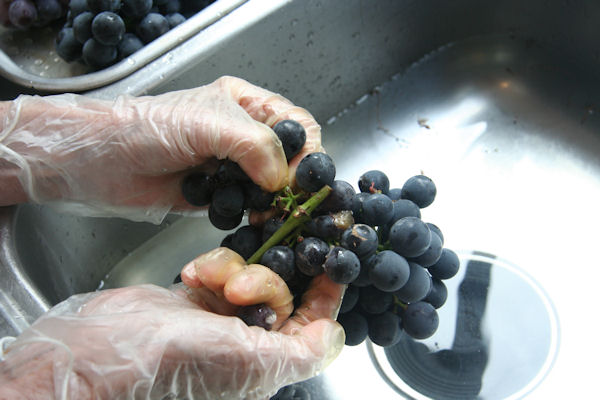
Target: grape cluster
100	33
373	240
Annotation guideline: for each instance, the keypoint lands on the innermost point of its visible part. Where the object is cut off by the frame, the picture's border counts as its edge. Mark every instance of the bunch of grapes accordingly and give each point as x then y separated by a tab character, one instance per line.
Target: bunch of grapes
373	240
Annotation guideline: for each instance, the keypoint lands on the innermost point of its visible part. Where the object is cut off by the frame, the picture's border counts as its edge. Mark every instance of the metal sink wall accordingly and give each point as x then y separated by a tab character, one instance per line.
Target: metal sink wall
496	101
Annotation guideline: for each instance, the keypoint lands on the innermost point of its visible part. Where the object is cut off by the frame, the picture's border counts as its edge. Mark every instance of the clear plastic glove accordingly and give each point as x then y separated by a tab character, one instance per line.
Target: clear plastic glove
147	342
128	157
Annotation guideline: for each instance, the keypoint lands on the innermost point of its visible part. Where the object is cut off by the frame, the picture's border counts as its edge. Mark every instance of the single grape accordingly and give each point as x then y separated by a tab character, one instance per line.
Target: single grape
356	327
198	188
434	229
98	6
235	172
373	181
339	199
48	11
361	239
292	136
98	55
377	209
432	254
384	329
152	26
395	194
246	240
341	265
175	19
420	189
447	265
170	7
270	227
108	28
420	320
374	301
325	227
417	286
67	47
82	26
357	206
315	171
438	294
129	45
227	241
390	271
258	315
76	7
136	8
350	298
281	260
402	208
311	253
222	222
256	198
366	264
22	13
228	200
410	237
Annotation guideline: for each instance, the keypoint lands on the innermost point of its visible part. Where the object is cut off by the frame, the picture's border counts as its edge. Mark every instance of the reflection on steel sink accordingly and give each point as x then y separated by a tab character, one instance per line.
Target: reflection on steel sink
498	103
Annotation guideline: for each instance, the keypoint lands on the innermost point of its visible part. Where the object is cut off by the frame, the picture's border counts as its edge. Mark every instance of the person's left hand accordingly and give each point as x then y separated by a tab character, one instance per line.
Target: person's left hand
150	342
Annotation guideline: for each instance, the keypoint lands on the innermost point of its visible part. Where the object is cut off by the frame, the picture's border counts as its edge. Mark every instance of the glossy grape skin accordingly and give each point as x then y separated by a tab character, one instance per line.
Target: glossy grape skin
401	208
435	229
224	222
324	227
438	294
175	19
341	265
384	329
82	26
108	28
361	239
432	254
447	266
377	210
152	26
357	206
136	8
395	194
310	255
292	136
390	271
281	260
356	327
315	171
228	200
410	237
22	14
129	45
270	227
67	47
417	286
420	189
48	11
339	199
420	320
372	181
246	240
258	315
98	55
374	301
350	298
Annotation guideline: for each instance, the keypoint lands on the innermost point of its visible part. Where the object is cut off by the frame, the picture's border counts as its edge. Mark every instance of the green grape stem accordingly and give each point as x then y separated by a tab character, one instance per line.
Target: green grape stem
299	216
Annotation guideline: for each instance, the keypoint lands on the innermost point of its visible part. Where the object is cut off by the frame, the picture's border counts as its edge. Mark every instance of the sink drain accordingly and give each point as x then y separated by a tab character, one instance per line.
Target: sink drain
498	338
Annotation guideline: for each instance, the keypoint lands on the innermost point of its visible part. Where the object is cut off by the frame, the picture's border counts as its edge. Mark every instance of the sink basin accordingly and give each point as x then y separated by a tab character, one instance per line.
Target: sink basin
498	103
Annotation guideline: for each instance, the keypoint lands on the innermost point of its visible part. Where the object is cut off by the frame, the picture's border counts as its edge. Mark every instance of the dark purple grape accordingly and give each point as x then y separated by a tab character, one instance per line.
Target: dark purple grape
136	9
129	45
151	27
402	208
256	198
357	206
246	240
82	26
356	327
108	28
227	241
198	188
281	260
339	199
390	271
258	315
434	229
311	253
170	7
377	210
361	239
315	171
420	189
417	286
270	227
447	265
395	194
420	320
374	181
324	227
432	254
228	200
67	47
410	237
438	294
235	172
177	279
384	329
48	11
98	55
366	264
223	222
98	6
374	301
292	136
341	265
350	298
76	7
22	13
175	19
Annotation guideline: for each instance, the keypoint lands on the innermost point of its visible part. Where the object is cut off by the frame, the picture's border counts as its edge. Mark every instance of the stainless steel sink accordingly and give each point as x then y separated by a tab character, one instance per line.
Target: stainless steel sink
497	102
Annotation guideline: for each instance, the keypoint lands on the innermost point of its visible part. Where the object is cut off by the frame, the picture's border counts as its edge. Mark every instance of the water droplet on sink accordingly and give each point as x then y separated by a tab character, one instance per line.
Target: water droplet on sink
292	36
130	61
309	43
294	22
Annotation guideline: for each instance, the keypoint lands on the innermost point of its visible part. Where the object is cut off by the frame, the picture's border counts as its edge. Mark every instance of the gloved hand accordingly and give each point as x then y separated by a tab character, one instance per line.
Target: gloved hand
146	342
128	157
